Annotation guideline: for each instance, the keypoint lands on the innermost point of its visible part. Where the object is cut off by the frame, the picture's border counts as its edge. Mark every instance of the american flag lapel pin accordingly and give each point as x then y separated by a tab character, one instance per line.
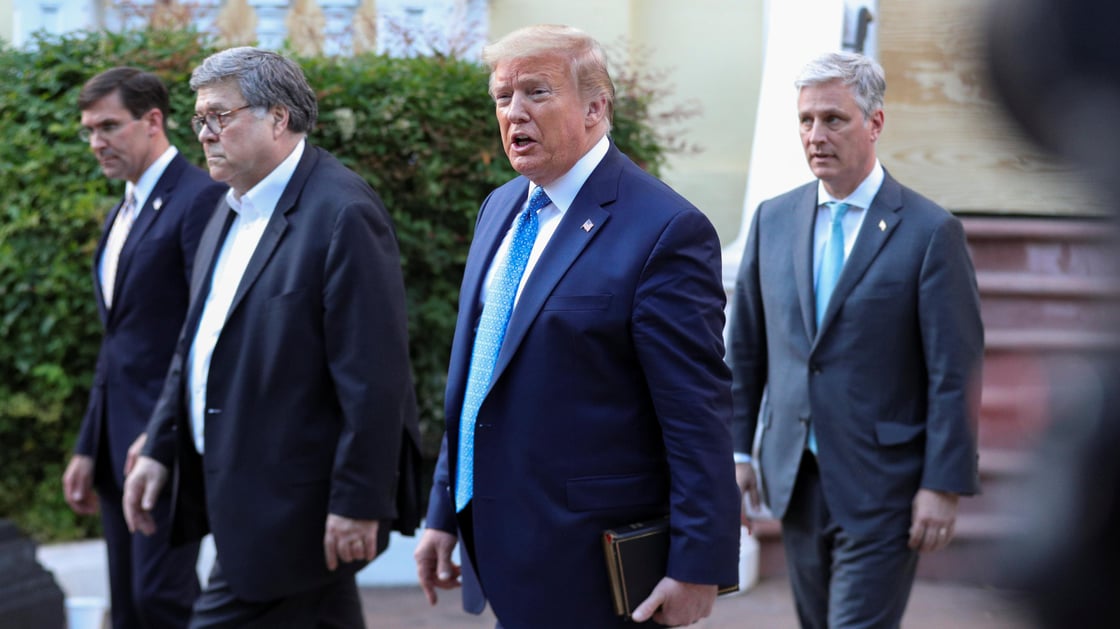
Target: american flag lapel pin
587	225
882	226
157	204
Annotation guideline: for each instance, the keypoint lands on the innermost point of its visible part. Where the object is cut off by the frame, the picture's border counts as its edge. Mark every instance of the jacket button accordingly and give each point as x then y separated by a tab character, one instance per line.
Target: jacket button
815	368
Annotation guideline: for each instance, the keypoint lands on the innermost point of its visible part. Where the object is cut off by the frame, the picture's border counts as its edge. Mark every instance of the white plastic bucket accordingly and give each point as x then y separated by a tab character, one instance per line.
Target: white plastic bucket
87	612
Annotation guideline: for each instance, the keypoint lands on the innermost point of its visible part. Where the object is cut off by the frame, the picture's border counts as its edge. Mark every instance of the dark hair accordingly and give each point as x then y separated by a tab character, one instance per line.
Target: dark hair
140	91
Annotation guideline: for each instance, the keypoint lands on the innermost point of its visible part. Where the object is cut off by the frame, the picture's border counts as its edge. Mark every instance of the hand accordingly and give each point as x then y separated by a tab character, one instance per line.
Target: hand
77	485
141	488
748	487
349	540
935	513
674	603
134	452
433	562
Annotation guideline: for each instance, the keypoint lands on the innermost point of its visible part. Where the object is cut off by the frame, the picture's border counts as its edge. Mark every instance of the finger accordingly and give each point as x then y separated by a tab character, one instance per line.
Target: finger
370	543
426	575
151	492
646	610
329	553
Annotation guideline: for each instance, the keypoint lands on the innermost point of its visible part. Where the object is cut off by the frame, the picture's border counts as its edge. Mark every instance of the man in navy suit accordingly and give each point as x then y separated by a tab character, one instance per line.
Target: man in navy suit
289	399
141	273
864	391
608	401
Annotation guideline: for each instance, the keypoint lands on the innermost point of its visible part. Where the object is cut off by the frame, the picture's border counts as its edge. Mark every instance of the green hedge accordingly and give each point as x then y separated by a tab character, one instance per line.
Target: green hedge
421	130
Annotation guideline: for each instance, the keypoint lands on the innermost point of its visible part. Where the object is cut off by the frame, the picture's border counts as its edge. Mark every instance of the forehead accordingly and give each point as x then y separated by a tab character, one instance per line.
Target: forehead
108	107
550	68
219	97
831	96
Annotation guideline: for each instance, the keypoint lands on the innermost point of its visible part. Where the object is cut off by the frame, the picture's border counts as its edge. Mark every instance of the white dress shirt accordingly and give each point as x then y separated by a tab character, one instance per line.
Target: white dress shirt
253	209
562	193
140	192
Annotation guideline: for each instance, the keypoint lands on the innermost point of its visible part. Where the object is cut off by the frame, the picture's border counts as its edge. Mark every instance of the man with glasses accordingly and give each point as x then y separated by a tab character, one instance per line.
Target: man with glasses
140	274
290	397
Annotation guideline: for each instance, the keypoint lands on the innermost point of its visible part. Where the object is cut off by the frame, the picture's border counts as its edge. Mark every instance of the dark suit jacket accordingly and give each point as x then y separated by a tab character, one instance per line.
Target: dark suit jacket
309	398
150	302
609	404
891	380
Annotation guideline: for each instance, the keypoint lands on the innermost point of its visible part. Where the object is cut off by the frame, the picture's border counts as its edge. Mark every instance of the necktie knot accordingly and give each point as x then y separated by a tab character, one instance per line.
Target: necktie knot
838	210
538	199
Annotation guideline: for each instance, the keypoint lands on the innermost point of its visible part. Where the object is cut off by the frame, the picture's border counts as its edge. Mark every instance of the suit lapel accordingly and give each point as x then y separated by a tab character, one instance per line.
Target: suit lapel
878	225
563	249
203	272
148	215
805	210
277	224
102	308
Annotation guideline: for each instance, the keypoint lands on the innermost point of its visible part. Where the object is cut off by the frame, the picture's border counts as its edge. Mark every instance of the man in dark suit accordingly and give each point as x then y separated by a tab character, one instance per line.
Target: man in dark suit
290	392
856	312
603	399
141	276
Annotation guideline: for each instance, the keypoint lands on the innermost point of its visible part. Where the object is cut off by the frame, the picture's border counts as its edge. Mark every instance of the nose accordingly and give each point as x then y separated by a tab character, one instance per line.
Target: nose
517	111
817	133
206	135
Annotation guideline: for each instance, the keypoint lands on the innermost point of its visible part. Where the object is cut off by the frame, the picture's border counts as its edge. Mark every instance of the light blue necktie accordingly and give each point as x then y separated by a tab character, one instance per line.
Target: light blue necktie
491	332
832	262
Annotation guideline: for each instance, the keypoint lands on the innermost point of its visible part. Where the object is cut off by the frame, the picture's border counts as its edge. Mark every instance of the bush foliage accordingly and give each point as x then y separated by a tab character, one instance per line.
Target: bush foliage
420	129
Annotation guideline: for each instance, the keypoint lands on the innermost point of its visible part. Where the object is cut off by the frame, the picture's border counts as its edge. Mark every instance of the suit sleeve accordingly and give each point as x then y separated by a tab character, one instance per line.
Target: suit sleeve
678	332
747	344
953	342
365	332
441	511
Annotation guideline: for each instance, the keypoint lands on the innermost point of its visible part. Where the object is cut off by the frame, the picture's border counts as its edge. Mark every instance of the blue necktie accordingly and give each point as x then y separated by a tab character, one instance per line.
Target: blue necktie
832	262
491	332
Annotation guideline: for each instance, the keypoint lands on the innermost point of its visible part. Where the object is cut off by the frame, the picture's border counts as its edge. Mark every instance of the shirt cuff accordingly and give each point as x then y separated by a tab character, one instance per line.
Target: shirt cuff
741	457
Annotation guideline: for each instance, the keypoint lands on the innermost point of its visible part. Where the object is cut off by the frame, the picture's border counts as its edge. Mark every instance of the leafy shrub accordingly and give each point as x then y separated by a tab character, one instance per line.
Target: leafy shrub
421	130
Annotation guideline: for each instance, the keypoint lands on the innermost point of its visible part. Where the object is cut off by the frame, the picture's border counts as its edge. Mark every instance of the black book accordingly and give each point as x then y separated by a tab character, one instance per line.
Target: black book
637	558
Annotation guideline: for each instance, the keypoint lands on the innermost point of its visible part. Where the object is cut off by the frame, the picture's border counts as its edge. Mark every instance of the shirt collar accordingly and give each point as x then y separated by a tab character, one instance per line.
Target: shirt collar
260	201
563	191
142	189
864	193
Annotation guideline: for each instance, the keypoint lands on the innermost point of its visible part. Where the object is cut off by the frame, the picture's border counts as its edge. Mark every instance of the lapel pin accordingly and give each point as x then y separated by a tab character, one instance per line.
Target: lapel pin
157	204
587	225
882	226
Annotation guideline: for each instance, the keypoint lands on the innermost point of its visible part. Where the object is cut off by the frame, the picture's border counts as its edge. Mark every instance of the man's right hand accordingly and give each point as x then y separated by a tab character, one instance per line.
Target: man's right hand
433	562
748	487
141	489
77	485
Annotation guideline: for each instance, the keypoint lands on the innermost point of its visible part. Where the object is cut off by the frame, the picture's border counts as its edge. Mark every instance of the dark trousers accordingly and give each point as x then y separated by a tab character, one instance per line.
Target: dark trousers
334	606
152	585
840	582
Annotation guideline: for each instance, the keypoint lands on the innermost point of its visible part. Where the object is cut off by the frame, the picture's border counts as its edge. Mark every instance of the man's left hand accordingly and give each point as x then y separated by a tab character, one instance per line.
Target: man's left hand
674	603
349	540
935	515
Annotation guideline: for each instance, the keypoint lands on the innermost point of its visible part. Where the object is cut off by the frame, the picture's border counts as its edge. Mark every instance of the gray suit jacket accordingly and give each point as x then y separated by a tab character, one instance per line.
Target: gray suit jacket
890	382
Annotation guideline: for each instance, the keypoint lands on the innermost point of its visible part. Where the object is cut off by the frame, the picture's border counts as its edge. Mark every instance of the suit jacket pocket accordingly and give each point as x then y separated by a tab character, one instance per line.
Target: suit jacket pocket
578	302
895	434
614	492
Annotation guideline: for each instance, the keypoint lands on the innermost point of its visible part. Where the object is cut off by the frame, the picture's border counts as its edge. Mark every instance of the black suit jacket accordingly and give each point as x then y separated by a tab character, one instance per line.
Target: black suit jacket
149	304
309	397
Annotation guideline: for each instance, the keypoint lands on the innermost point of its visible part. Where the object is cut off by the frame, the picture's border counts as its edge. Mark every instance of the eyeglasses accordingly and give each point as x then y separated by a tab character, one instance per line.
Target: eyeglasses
103	130
215	121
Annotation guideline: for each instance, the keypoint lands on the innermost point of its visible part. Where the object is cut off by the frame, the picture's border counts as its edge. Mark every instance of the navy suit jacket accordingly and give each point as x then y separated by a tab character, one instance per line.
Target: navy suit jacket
309	398
891	380
149	304
609	403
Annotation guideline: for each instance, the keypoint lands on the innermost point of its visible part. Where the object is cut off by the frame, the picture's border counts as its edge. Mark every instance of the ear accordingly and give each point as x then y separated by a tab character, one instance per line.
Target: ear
596	111
154	121
280	118
876	122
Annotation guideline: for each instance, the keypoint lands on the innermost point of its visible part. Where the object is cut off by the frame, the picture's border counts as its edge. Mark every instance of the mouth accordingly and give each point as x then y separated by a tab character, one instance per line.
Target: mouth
521	140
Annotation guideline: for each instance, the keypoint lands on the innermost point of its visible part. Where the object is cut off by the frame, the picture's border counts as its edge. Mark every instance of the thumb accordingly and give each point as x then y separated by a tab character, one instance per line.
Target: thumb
445	569
151	492
649	607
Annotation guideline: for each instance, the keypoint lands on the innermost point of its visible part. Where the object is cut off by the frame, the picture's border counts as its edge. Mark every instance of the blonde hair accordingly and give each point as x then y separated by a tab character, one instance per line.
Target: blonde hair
587	60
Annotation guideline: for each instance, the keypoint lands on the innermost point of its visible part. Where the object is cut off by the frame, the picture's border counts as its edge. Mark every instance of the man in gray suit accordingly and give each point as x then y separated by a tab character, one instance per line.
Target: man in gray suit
864	333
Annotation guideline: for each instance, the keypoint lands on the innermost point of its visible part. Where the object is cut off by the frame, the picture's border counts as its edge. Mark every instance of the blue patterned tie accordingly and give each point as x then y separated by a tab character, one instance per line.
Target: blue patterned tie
491	332
832	262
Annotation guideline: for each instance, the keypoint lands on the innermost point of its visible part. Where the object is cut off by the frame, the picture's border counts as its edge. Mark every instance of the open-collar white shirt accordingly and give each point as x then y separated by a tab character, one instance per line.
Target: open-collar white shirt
253	209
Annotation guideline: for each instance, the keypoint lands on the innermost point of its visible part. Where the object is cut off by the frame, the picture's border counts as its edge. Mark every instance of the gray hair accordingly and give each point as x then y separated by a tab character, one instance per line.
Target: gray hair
266	79
863	75
586	56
